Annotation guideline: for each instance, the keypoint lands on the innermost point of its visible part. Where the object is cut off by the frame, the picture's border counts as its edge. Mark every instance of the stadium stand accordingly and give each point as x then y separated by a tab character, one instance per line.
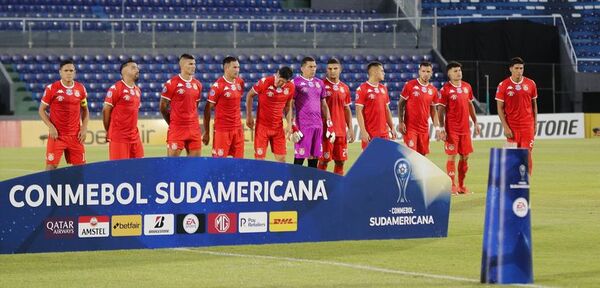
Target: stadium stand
582	19
99	72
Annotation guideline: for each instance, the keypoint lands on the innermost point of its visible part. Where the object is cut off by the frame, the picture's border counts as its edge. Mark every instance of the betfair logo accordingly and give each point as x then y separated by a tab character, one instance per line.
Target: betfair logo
126	225
283	221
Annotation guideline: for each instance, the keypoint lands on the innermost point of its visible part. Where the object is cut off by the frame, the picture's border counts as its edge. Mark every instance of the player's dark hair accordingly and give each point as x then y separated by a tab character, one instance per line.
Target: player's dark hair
596	130
333	60
307	59
425	64
187	56
453	64
65	62
516	60
373	64
129	60
285	72
228	60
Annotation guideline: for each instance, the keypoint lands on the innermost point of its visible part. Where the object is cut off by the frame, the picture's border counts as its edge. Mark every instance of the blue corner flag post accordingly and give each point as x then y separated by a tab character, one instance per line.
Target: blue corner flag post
506	255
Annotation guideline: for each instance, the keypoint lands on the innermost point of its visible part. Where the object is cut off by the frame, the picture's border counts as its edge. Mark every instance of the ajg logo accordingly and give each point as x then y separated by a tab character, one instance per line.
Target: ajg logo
402	172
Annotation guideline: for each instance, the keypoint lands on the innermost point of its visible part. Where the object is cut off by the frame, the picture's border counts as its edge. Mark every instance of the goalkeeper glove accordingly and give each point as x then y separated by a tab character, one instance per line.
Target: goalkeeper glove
330	134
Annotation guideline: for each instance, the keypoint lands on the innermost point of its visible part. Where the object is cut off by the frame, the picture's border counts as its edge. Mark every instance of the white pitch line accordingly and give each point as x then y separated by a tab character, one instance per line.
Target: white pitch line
348	265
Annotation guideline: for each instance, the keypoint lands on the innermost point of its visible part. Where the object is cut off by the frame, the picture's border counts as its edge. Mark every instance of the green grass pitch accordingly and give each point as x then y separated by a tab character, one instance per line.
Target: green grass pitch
565	206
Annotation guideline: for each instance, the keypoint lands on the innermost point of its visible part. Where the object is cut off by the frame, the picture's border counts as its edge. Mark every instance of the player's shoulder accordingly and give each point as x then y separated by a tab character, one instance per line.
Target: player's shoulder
362	86
78	85
505	82
116	86
529	80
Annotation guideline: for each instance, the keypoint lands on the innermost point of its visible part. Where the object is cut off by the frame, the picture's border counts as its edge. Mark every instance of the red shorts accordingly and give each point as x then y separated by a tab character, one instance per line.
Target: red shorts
70	145
338	150
365	144
417	141
264	136
460	144
188	138
523	138
228	143
120	150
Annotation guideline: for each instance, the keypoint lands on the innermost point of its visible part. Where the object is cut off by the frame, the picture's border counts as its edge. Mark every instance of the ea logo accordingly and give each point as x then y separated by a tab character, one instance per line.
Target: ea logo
520	207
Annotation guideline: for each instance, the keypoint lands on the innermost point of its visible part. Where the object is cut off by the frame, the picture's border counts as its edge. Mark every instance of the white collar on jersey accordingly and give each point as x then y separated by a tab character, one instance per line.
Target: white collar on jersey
184	79
228	80
373	85
419	81
131	87
68	87
311	79
523	78
334	83
455	85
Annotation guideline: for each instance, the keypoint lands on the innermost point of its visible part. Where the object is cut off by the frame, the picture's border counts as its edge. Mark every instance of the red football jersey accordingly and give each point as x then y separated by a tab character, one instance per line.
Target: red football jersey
338	98
125	101
65	106
517	102
375	100
419	99
184	96
457	100
271	101
227	97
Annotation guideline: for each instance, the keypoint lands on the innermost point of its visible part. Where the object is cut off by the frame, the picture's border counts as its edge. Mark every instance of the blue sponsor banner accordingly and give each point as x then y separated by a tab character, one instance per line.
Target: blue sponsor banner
507	243
390	193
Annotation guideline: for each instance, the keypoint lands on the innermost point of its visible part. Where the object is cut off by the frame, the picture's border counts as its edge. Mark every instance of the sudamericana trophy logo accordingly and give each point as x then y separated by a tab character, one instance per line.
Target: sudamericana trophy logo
402	172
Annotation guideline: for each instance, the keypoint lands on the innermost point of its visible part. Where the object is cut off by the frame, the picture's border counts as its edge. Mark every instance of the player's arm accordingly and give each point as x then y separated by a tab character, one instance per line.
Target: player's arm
85	118
502	116
432	114
474	118
325	110
164	109
207	114
441	116
401	109
364	135
52	132
501	112
390	121
534	109
106	113
348	118
249	102
287	112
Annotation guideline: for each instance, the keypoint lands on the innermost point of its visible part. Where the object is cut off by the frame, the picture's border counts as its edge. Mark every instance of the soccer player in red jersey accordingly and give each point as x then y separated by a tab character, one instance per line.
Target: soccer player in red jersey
454	107
68	119
120	114
275	94
225	96
372	107
182	94
338	100
414	110
517	107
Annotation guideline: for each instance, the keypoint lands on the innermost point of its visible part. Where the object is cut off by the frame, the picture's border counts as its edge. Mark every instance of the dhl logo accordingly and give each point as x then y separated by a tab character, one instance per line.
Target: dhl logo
283	221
